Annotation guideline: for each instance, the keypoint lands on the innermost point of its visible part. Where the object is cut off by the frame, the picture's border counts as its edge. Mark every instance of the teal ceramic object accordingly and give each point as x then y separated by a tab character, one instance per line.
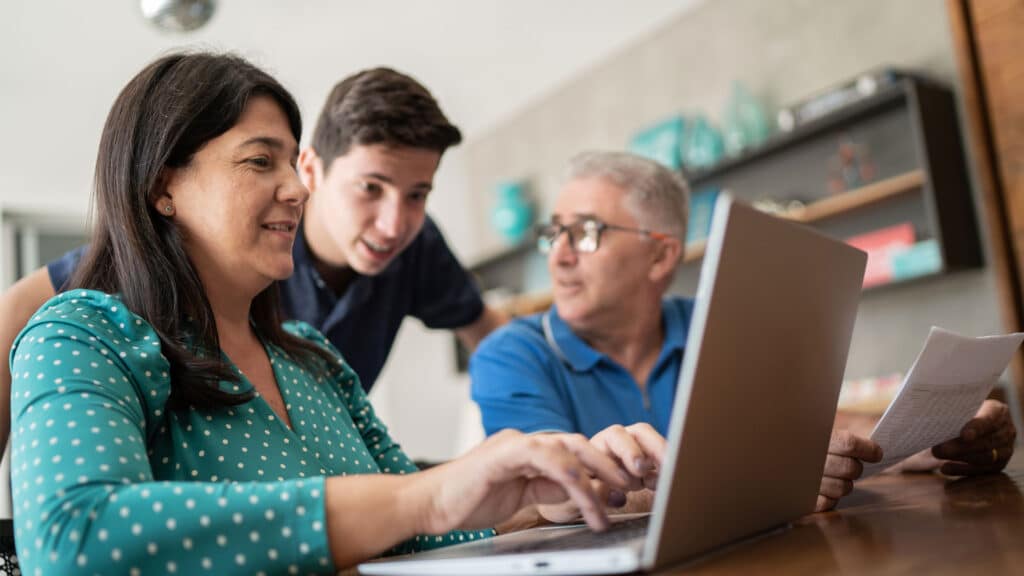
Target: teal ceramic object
661	142
744	124
513	212
702	204
702	144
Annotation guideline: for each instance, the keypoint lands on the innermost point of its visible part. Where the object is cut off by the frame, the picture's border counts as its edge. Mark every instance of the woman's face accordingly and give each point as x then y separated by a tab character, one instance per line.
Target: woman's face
239	201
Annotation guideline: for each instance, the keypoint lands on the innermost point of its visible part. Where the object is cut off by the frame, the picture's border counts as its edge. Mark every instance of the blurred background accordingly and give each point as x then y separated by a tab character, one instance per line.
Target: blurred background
868	119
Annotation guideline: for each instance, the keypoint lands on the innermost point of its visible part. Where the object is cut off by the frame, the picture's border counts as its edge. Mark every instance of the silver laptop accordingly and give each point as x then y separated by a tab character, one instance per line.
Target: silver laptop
752	418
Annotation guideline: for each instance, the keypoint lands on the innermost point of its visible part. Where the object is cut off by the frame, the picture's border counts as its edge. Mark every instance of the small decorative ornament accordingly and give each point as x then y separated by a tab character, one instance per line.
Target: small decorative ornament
662	142
745	125
168	208
178	15
512	212
702	144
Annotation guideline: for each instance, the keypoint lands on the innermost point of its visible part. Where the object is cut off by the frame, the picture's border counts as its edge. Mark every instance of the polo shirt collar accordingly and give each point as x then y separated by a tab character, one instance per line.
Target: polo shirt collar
573	350
581	357
676	327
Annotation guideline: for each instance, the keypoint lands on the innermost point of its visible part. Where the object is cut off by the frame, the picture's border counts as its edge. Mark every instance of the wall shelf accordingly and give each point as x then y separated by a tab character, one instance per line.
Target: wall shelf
839	204
907	136
890	96
859	198
907	133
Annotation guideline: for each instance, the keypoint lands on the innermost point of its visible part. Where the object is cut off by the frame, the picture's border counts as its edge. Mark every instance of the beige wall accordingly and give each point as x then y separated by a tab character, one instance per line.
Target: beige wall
782	50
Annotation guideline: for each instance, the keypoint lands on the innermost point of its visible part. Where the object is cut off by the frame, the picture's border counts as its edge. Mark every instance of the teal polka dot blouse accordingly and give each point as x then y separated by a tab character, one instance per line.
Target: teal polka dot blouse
107	480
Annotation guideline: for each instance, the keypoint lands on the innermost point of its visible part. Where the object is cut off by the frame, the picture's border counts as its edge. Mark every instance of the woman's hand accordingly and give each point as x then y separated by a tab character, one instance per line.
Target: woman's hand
638	449
510	471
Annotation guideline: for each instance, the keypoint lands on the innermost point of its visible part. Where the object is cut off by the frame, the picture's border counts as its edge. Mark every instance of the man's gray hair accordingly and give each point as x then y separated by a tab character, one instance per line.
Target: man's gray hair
658	197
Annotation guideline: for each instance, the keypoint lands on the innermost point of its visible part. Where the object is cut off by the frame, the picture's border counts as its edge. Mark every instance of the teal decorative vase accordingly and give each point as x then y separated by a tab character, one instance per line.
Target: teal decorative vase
513	212
744	123
661	142
702	144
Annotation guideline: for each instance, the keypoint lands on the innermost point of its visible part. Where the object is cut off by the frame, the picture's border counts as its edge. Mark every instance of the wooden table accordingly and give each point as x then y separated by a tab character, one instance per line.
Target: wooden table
897	524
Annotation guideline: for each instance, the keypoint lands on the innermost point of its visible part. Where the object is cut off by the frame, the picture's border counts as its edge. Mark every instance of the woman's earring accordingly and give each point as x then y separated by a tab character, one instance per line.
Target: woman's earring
168	208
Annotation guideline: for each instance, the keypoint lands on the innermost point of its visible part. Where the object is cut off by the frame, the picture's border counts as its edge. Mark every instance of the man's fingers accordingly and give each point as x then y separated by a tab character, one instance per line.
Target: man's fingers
958	448
835	488
985	457
844	443
843	467
824	503
962	469
990	417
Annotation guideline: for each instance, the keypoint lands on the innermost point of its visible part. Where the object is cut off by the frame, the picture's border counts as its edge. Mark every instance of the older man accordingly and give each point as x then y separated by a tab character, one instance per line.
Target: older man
610	349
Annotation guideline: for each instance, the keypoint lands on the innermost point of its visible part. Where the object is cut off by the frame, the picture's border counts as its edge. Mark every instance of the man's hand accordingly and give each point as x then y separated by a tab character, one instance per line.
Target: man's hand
985	443
843	465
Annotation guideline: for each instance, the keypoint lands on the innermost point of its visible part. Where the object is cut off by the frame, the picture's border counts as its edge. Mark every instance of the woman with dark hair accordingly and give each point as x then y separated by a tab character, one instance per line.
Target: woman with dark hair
163	417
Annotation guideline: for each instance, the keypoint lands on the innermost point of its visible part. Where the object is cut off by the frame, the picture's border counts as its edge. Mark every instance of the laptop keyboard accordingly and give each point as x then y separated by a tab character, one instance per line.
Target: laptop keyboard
617	533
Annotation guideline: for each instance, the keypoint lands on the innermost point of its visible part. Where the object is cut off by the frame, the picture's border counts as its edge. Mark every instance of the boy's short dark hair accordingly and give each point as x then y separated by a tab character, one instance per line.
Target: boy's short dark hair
381	106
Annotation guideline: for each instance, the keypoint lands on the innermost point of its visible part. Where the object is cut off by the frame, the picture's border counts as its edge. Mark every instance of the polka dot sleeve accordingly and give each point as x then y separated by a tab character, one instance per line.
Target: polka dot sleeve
86	395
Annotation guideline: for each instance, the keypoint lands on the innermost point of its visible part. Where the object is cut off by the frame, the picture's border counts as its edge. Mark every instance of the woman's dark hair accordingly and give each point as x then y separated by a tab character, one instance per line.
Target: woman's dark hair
165	114
381	106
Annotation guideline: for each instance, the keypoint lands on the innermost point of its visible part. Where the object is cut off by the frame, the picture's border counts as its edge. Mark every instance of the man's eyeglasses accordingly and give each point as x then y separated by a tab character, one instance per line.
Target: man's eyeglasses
584	235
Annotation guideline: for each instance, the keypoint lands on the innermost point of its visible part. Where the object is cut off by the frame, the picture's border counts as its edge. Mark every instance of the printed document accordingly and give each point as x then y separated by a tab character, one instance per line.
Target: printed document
950	379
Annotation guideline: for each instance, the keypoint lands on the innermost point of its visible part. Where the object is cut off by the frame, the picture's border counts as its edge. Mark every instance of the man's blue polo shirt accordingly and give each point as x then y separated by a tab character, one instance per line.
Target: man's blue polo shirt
425	281
520	380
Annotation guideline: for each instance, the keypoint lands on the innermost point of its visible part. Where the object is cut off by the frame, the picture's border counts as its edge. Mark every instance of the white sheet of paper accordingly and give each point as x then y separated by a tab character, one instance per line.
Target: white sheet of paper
950	379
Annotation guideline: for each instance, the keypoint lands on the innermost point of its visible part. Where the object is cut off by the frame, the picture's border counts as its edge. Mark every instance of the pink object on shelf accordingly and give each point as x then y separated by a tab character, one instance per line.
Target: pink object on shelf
880	244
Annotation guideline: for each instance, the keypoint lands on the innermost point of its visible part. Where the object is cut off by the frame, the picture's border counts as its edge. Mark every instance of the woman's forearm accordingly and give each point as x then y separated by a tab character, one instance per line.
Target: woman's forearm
369	514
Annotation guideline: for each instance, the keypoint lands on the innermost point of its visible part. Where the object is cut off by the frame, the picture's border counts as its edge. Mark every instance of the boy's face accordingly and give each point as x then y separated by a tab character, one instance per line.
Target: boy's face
370	202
